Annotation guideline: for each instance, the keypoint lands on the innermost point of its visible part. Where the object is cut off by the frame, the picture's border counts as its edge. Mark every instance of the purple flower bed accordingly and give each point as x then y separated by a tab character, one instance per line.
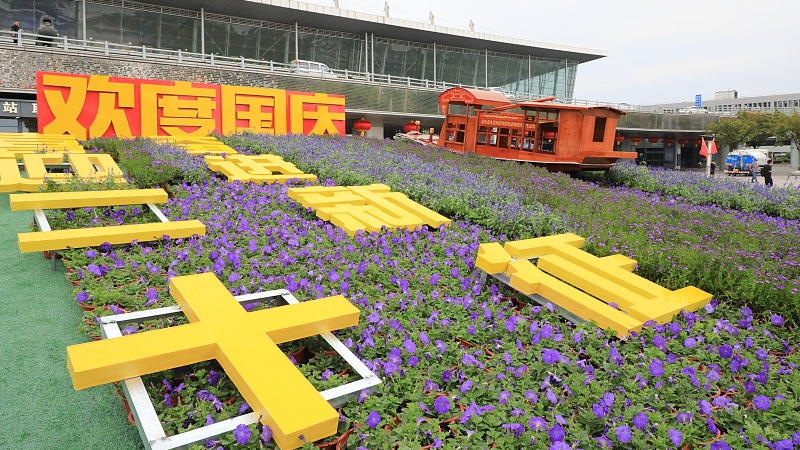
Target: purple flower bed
696	188
479	197
462	366
748	258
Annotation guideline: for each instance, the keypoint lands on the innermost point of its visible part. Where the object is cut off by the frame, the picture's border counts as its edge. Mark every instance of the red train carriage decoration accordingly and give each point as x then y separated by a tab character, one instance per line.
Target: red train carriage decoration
561	137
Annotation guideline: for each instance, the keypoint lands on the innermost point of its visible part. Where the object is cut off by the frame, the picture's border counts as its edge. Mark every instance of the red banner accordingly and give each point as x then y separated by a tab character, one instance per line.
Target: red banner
87	106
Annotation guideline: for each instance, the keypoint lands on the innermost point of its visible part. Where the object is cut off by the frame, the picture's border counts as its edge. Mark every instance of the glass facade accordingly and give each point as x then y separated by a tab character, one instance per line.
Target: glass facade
145	25
138	24
66	15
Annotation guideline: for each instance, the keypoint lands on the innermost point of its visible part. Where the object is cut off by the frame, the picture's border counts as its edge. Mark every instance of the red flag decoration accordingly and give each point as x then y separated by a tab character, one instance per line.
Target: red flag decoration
703	148
714	147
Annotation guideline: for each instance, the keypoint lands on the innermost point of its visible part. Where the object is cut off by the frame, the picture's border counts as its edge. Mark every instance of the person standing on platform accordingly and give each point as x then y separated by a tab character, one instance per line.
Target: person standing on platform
15	30
754	171
767	172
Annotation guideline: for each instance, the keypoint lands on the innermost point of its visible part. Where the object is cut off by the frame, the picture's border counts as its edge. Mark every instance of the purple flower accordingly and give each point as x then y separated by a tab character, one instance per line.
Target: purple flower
82	296
213	255
537	424
447	375
608	399
266	435
560	445
777	320
640	421
213	377
209	420
761	402
441	346
91	253
598	410
623	433
424	338
373	419
105	247
242	434
675	436
550	356
516	428
550	395
243	409
725	351
684	417
503	397
441	405
720	445
690	342
784	444
656	368
556	433
95	269
531	396
466	386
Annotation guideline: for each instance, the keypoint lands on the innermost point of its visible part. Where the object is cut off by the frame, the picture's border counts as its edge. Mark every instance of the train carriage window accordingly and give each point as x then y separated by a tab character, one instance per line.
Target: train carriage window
599	129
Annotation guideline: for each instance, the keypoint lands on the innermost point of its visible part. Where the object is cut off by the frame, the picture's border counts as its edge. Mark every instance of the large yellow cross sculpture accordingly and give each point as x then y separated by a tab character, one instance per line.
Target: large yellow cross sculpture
243	343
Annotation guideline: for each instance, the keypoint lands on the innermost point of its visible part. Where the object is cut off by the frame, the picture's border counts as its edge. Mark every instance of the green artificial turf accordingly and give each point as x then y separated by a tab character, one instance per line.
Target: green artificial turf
39	318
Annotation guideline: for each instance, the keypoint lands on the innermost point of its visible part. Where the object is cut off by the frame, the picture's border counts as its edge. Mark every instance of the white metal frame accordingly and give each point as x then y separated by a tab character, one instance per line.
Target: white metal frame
505	279
150	429
44	225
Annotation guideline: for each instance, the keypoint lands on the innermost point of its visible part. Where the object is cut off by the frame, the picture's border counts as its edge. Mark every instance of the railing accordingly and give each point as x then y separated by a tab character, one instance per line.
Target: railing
105	48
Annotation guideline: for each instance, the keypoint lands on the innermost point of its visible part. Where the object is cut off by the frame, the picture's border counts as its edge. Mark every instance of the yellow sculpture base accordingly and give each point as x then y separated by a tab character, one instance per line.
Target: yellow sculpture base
243	343
584	284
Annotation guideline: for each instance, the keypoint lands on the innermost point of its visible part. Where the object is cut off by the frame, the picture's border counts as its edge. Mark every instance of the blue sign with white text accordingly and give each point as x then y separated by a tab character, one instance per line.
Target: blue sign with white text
698	100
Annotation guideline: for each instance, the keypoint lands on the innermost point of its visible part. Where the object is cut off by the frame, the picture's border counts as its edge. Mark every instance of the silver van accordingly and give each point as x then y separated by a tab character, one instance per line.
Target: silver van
311	68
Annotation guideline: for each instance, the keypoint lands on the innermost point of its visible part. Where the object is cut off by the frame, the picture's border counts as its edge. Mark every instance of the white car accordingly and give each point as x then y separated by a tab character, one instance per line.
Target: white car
692	110
311	68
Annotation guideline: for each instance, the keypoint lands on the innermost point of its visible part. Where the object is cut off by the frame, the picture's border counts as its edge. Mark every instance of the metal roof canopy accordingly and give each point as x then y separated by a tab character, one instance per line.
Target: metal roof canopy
333	19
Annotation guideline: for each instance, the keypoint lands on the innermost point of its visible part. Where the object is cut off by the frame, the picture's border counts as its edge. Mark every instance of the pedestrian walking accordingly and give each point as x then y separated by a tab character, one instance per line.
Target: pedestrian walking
47	33
754	171
15	30
766	171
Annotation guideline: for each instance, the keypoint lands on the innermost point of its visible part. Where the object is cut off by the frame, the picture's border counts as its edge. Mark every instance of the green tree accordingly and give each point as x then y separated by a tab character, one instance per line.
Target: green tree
788	127
729	131
758	127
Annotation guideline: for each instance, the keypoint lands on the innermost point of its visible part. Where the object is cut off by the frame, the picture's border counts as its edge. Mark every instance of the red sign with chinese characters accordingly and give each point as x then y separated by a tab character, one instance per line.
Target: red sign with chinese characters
86	106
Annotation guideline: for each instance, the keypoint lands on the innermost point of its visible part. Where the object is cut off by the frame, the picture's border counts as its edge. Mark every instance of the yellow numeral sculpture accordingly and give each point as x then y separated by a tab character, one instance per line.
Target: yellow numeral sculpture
366	208
258	169
17	144
243	343
95	166
90	237
583	284
197	145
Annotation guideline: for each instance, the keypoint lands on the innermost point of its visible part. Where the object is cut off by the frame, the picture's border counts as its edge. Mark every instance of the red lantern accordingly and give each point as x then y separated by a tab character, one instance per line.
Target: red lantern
683	141
362	125
653	139
619	138
669	141
697	141
549	135
636	139
411	126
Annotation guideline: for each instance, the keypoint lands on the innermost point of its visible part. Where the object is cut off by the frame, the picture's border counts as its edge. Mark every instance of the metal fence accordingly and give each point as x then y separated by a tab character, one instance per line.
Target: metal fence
365	91
105	48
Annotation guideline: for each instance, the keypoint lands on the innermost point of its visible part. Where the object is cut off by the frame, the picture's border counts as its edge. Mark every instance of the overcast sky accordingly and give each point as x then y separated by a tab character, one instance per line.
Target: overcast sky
658	51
